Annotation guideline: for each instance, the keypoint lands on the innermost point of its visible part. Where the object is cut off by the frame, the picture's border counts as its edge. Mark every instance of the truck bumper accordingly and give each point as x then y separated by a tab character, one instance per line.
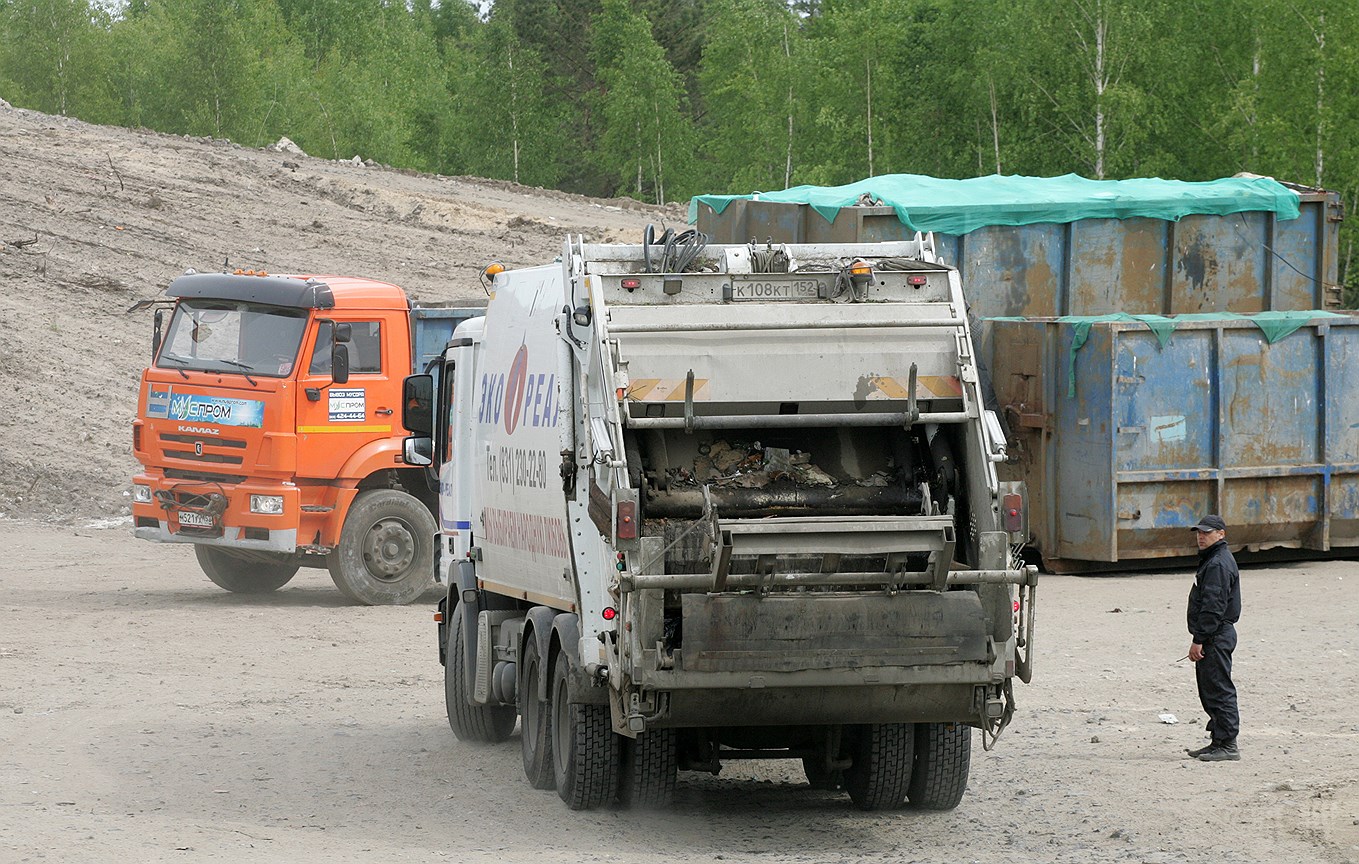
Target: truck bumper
799	706
284	540
918	656
164	519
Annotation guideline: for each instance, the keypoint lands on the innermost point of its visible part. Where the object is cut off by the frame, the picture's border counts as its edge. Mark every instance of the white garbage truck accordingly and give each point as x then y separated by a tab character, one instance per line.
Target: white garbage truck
702	503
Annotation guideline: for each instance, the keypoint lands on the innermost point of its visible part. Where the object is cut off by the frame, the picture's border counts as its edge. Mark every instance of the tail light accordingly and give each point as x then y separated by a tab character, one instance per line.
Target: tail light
1012	513
627	520
136	437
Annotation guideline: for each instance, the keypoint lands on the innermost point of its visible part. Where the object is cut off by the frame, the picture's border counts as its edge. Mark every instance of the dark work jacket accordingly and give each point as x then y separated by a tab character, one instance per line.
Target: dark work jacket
1215	599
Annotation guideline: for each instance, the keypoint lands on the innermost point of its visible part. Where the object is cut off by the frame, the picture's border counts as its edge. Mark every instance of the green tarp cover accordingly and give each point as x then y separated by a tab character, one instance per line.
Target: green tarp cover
959	206
1274	326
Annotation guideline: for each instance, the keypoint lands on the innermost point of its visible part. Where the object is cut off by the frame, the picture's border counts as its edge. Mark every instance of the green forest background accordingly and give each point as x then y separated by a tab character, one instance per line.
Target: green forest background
663	99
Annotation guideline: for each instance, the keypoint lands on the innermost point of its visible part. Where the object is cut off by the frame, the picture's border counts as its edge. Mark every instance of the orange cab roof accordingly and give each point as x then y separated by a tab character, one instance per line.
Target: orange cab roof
356	292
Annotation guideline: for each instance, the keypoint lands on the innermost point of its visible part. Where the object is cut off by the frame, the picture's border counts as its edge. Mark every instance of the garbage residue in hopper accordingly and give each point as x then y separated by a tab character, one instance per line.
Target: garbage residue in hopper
751	465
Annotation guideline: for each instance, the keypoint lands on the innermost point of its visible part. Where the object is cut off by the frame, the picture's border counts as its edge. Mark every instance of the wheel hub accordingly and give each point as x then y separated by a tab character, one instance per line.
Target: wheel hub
388	550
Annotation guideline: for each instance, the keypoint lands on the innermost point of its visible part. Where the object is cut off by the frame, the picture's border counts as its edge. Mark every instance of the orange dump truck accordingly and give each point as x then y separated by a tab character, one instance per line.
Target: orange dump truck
268	430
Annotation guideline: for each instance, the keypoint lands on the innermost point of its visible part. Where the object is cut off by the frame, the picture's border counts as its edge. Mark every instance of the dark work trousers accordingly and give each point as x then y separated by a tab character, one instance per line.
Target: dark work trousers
1216	690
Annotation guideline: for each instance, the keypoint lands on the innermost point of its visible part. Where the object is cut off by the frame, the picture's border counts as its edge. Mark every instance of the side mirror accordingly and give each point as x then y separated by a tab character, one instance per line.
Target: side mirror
339	336
418	451
417	406
339	362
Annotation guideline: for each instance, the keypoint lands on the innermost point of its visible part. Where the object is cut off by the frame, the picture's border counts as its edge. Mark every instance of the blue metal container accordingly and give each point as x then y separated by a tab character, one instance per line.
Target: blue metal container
1243	262
1125	442
432	327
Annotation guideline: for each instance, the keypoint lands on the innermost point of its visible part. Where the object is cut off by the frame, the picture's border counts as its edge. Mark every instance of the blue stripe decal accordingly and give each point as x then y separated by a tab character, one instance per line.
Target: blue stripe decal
464	525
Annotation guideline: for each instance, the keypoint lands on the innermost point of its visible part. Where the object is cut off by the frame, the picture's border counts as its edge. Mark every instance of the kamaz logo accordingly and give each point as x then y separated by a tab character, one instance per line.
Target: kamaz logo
519	396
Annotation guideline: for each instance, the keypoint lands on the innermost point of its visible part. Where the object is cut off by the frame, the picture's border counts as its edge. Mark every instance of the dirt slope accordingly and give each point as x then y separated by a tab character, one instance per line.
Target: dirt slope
94	218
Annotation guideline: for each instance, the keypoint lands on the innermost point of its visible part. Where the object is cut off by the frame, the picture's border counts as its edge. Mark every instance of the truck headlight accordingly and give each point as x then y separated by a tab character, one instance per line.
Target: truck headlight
270	505
141	494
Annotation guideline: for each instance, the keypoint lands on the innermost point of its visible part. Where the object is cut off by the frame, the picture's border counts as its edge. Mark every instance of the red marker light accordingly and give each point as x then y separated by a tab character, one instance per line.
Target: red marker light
632	284
1013	510
610	613
915	280
1016	605
625	521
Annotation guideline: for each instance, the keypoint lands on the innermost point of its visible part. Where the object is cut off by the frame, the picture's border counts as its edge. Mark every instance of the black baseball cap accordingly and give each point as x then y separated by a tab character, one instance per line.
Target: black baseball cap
1210	523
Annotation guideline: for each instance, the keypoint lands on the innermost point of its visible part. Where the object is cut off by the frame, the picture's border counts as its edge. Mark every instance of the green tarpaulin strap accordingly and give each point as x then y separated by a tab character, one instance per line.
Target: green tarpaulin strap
1277	325
959	206
1274	326
1158	324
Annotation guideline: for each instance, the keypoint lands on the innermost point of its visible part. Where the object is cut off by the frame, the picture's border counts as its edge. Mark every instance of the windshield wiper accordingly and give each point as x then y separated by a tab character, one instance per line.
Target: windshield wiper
245	368
183	361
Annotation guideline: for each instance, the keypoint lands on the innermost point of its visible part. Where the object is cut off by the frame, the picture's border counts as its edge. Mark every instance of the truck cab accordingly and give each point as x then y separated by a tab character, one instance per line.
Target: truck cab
266	432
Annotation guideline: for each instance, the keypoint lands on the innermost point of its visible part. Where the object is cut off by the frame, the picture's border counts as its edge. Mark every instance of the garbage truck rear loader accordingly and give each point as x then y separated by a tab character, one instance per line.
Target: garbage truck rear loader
704	503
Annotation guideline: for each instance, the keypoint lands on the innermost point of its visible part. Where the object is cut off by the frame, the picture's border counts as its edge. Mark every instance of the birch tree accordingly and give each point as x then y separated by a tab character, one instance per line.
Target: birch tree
749	84
646	139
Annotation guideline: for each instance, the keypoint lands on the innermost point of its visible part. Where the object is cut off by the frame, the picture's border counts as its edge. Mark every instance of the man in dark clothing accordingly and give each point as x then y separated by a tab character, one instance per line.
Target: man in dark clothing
1214	609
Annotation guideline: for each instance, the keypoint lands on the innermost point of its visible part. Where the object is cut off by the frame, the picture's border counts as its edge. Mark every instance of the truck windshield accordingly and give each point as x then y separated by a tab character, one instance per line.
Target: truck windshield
233	337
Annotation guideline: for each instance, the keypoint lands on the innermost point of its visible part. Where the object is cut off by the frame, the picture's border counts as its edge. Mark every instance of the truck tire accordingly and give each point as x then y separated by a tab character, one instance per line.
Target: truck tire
386	551
536	739
243	573
650	764
477	724
943	755
881	770
585	749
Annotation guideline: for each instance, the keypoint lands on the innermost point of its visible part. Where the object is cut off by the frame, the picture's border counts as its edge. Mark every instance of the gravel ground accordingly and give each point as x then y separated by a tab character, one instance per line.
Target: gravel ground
146	715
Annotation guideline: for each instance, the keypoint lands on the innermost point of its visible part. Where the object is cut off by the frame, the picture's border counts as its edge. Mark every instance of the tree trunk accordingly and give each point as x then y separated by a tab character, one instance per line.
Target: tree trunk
1101	83
1321	96
868	86
514	113
788	67
660	173
995	122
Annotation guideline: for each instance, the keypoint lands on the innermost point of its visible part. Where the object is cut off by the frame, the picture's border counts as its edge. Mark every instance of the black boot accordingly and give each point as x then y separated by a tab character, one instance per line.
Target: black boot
1221	751
1196	753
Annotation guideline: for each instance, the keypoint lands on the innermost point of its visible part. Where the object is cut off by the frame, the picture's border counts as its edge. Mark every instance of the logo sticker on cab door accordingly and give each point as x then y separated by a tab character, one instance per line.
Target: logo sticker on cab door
348	406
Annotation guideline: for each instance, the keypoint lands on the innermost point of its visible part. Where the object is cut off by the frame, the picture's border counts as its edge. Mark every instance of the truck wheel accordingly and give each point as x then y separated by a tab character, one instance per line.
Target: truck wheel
650	763
943	754
881	771
479	724
534	713
243	572
386	551
584	749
